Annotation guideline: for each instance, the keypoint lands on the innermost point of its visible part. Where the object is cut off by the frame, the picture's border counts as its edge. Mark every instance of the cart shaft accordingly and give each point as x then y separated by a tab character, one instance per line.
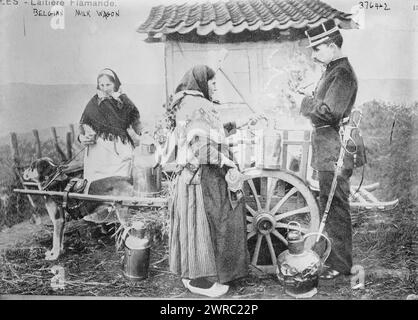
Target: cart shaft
127	201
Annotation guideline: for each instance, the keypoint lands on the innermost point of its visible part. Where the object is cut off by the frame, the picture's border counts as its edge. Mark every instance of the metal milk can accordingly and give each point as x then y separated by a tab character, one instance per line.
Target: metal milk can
146	176
137	252
268	148
298	268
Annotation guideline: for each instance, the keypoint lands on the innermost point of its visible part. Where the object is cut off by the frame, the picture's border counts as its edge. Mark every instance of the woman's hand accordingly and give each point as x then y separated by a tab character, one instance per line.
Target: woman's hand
136	138
115	94
87	139
234	179
252	120
227	162
255	118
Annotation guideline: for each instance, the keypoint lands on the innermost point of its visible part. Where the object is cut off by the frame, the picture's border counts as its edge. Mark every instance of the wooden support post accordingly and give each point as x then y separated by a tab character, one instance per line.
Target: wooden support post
15	150
305	153
168	45
16	170
284	156
72	130
57	147
69	145
37	144
54	135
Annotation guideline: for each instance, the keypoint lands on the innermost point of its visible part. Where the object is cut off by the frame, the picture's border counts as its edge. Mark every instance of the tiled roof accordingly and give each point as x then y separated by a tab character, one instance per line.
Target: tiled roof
235	16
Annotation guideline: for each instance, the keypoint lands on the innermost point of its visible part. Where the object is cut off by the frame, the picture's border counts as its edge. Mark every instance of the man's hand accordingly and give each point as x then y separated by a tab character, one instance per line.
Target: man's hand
298	97
87	139
301	92
306	90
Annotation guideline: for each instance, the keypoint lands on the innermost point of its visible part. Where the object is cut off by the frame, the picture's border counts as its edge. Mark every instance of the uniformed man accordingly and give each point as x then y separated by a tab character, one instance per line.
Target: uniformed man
327	107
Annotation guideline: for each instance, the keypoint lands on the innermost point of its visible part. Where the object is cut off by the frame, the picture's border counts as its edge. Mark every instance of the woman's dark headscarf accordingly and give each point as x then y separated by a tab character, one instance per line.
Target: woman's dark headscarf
197	79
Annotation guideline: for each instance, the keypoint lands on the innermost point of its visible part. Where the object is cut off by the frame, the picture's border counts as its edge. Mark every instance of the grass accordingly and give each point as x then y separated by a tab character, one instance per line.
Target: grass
93	267
388	251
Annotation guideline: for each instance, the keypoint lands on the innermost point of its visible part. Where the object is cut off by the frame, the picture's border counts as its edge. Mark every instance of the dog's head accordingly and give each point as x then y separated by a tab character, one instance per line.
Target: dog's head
40	170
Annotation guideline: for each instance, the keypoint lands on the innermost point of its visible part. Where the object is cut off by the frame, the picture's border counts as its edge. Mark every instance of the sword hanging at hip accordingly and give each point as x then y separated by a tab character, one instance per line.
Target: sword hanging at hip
345	136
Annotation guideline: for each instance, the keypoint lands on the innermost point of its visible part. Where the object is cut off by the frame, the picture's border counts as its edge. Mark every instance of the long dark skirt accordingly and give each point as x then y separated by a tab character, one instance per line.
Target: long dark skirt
227	225
207	237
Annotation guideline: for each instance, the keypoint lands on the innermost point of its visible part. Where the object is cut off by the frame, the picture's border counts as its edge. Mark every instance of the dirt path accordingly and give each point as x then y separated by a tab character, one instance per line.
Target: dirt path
92	267
22	233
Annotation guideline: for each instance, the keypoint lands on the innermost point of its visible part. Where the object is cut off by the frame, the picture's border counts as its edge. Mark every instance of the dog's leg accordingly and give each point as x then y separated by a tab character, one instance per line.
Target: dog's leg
61	229
56	215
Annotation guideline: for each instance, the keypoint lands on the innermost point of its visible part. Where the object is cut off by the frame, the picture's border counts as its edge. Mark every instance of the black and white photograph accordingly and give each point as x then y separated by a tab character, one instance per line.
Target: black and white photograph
209	150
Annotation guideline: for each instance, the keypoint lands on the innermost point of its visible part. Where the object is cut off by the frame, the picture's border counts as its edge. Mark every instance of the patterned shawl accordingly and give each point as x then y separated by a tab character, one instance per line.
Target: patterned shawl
110	117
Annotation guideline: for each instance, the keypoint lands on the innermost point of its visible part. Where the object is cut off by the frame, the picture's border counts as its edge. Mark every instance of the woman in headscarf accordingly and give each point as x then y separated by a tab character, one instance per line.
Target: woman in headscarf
103	128
208	229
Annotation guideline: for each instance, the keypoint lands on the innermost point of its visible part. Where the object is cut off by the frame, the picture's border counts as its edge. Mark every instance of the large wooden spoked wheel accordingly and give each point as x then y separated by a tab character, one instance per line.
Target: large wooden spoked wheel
272	199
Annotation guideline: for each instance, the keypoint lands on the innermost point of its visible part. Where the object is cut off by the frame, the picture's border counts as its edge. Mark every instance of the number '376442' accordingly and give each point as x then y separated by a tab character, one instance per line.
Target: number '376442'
374	5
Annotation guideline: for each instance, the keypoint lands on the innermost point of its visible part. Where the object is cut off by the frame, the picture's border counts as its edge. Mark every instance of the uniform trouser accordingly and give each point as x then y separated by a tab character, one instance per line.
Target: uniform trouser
338	225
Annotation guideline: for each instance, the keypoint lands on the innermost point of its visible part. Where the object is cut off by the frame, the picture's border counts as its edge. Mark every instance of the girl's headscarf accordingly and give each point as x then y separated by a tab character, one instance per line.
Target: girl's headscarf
197	79
110	73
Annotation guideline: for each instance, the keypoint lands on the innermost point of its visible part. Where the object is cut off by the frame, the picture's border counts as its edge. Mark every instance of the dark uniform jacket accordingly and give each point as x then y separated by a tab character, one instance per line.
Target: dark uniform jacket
333	100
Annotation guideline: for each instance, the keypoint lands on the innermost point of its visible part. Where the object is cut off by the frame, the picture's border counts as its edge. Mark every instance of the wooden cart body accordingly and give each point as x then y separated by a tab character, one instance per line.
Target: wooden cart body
274	196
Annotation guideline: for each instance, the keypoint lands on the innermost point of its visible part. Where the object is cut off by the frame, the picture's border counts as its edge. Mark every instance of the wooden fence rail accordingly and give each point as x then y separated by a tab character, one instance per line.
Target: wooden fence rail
69	140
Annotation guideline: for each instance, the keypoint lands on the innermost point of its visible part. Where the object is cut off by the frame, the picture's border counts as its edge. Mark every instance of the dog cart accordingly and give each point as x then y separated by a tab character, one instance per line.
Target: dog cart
279	187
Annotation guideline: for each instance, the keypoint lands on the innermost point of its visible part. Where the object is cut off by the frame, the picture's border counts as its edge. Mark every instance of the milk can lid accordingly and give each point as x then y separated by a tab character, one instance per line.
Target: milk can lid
294	235
137	243
137	225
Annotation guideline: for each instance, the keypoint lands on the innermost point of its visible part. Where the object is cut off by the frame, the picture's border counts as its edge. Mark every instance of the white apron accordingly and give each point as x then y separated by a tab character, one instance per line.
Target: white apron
107	158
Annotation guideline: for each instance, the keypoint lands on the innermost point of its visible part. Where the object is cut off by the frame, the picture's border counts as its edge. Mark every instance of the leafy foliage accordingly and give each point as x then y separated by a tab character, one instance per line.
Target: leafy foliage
391	144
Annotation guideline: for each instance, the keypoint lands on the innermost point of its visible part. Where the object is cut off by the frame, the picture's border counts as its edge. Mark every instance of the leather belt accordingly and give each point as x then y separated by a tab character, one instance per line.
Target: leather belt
343	121
320	127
